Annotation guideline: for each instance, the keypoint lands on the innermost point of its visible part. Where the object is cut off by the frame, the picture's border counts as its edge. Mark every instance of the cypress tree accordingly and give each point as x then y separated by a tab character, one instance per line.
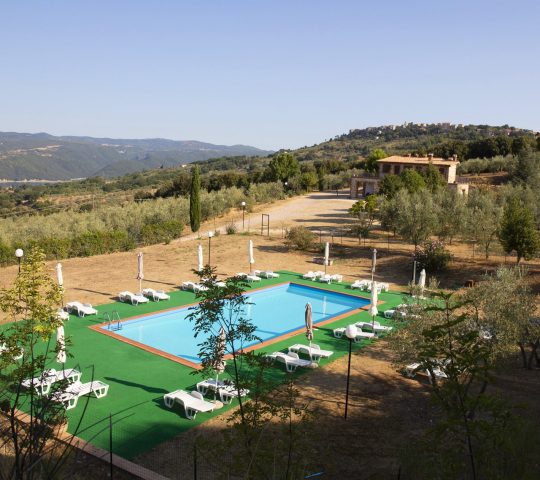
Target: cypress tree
195	201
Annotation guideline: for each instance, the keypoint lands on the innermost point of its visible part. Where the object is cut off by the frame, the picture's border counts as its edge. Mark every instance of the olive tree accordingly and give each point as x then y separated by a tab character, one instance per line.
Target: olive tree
482	219
417	218
28	441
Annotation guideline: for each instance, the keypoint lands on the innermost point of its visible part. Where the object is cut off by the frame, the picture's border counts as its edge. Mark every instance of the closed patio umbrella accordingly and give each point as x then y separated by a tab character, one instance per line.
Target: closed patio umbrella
373	264
326	255
61	343
308	317
60	279
200	260
373	305
59	275
219	366
140	274
422	281
250	253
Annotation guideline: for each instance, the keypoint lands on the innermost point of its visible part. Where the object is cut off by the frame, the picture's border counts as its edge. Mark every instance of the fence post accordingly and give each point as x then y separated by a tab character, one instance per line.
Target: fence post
194	461
110	446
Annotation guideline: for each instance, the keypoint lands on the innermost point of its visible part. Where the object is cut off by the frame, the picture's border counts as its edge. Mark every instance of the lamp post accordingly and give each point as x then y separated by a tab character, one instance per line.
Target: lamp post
350	332
243	204
19	254
210	235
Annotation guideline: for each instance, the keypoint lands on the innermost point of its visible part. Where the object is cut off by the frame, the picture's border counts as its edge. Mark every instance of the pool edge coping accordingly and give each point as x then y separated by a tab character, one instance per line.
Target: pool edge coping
197	366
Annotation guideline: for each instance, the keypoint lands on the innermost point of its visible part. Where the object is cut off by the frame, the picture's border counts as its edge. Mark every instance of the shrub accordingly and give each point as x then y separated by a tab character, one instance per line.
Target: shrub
231	229
158	232
433	256
300	238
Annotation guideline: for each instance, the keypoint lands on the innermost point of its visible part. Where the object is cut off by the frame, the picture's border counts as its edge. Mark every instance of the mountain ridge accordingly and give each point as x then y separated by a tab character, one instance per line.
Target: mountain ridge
49	157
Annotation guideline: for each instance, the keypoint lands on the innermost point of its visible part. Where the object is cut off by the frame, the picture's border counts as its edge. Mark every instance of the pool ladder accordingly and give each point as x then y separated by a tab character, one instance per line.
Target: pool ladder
110	319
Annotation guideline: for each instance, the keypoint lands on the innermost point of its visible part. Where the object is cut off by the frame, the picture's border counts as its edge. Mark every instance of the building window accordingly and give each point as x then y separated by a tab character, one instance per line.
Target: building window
397	169
386	168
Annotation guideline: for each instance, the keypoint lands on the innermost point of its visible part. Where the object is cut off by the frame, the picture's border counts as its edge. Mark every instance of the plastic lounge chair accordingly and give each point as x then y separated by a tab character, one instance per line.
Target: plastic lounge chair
337	277
155	295
193	402
360	284
314	352
17	352
42	383
319	273
266	274
62	314
194	287
309	275
134	298
325	278
412	369
70	397
360	335
226	390
375	326
248	277
81	309
214	283
291	360
379	287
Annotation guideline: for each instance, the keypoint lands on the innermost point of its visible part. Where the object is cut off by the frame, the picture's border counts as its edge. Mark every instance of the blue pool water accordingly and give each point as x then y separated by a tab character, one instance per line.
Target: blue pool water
274	310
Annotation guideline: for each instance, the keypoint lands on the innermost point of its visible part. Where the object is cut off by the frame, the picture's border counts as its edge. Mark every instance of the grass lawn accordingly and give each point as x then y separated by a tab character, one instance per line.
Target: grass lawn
138	379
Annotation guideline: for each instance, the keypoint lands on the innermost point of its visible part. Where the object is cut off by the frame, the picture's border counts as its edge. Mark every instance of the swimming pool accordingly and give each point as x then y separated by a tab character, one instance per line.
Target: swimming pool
275	311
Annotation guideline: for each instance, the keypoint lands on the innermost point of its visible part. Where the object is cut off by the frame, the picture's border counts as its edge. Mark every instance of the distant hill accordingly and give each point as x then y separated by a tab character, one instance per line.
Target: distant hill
44	156
442	139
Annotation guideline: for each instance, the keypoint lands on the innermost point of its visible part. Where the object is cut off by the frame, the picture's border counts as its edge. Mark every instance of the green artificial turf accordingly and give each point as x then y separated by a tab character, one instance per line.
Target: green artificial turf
138	379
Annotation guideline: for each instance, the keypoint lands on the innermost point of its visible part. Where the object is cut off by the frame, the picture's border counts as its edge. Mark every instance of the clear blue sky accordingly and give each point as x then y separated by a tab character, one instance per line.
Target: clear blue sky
273	74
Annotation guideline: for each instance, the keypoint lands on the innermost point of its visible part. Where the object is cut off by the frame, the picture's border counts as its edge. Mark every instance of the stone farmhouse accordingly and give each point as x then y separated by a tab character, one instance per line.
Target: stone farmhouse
367	184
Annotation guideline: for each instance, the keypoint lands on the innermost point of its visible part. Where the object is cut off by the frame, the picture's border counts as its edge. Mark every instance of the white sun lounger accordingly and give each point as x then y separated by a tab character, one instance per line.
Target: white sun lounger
134	298
17	352
248	277
61	314
291	360
193	402
215	283
81	309
226	391
42	383
194	287
155	295
360	335
314	352
266	274
336	277
412	369
360	284
70	397
375	326
400	310
325	278
309	275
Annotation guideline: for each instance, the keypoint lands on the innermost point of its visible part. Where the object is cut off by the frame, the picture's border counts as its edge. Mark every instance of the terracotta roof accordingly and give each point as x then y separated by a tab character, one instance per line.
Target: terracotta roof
418	160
